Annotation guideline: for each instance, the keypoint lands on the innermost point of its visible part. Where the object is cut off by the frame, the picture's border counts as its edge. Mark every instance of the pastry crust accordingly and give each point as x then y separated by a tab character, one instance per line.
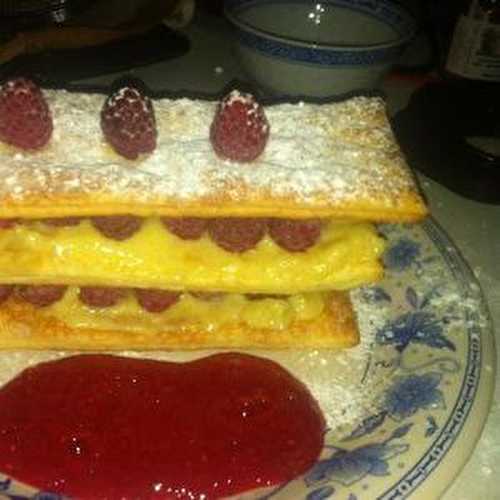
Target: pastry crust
341	162
337	160
23	327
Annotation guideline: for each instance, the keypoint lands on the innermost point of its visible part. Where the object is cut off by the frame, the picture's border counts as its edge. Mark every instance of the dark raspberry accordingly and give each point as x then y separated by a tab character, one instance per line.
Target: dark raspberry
25	118
155	300
117	227
295	235
240	129
7	223
237	234
5	292
41	295
128	123
187	228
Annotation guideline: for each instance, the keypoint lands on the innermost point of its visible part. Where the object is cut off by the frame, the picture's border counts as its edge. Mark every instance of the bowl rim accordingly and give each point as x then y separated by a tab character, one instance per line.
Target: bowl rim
231	8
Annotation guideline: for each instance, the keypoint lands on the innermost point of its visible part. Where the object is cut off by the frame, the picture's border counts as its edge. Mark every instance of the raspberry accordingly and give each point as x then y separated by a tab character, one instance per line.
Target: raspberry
128	122
240	129
237	234
295	235
25	119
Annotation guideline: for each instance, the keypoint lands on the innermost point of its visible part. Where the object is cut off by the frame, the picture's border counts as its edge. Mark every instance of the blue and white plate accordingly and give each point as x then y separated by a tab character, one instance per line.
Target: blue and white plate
406	407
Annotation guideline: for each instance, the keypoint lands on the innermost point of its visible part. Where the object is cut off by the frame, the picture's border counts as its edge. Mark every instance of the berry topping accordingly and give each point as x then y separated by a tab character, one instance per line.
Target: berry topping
240	129
295	235
128	122
41	295
7	223
186	228
154	300
5	292
235	234
25	119
117	227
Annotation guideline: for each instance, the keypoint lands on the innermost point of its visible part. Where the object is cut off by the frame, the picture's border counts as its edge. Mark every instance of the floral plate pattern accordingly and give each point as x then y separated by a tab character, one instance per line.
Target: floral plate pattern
428	368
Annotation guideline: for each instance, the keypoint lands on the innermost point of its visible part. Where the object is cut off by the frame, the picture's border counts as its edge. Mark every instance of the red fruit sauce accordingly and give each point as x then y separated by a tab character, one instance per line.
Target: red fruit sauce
109	427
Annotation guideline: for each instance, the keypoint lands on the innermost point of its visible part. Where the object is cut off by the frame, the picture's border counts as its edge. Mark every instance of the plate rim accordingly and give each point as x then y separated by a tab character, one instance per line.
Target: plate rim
448	461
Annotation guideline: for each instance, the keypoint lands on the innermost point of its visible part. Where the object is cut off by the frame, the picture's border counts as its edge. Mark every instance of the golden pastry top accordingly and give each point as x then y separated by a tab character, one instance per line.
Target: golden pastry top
333	160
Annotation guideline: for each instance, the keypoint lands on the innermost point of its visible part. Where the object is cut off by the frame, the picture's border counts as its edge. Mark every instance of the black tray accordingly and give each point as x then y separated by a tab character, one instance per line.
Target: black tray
57	67
432	132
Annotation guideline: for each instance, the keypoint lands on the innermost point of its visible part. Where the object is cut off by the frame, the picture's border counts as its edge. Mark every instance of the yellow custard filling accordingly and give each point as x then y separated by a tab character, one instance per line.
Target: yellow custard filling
188	312
345	256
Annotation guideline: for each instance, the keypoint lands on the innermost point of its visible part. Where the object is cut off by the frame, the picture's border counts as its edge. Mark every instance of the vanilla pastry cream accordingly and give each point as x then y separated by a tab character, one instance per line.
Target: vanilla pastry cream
346	256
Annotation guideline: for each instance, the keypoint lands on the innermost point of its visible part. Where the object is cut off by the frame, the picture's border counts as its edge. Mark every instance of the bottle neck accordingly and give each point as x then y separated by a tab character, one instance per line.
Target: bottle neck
474	52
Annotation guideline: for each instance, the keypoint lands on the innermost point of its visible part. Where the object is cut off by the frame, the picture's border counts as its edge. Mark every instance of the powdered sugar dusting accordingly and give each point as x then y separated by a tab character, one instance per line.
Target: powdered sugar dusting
345	396
237	96
332	377
332	152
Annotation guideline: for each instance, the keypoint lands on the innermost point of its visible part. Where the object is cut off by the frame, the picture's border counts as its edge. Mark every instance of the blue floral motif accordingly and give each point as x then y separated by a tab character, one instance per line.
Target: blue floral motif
383	10
419	327
317	56
321	493
350	466
376	294
48	496
402	431
6	484
402	255
37	496
431	427
413	392
412	297
368	425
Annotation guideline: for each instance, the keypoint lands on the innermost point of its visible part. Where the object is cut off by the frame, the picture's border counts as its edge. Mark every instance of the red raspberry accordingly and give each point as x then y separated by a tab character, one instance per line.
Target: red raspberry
295	235
7	223
25	119
128	122
237	234
240	129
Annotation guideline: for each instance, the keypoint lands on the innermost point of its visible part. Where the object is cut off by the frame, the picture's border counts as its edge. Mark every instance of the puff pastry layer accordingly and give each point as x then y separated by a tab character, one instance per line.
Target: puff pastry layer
23	326
332	160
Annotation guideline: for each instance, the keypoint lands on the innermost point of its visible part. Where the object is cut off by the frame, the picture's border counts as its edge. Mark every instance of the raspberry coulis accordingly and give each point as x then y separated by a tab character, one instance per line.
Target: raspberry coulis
110	427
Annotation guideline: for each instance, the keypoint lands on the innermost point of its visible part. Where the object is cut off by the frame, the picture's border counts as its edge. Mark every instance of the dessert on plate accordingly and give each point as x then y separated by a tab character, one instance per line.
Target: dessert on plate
128	222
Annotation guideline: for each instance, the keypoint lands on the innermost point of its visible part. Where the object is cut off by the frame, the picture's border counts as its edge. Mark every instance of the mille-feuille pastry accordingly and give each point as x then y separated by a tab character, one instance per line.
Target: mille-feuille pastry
179	223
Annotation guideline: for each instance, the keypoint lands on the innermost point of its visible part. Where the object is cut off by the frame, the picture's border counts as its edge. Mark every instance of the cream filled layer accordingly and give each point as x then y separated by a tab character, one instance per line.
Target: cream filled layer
345	256
189	312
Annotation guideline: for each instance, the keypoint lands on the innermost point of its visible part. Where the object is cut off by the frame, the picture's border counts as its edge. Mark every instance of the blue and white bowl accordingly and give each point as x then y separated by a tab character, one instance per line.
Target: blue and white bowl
319	48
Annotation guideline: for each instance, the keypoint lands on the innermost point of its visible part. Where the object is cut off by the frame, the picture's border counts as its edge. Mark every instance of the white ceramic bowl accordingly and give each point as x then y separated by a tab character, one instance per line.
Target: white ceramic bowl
319	48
